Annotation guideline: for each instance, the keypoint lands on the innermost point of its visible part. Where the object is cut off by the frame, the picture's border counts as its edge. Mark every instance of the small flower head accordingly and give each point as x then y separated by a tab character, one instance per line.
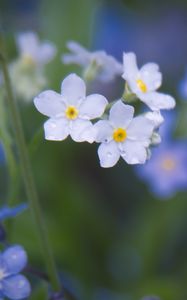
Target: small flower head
71	111
98	64
27	71
166	171
32	51
144	83
27	81
12	284
122	135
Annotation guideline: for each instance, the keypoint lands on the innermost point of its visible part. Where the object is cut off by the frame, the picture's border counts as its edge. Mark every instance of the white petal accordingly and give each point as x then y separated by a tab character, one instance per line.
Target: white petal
93	106
151	76
79	55
129	65
108	154
81	131
74	59
56	129
155	117
46	53
134	152
157	101
150	68
73	89
140	129
103	130
121	114
49	103
109	66
27	43
76	48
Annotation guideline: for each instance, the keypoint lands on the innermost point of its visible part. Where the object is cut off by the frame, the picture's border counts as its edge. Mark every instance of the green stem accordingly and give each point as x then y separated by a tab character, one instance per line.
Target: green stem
27	175
6	140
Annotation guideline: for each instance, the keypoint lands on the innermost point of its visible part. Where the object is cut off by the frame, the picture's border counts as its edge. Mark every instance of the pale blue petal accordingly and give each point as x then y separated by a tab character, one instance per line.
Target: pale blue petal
16	287
15	259
10	212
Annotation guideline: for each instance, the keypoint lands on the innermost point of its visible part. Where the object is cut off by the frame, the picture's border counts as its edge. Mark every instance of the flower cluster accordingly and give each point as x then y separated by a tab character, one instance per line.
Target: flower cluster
119	132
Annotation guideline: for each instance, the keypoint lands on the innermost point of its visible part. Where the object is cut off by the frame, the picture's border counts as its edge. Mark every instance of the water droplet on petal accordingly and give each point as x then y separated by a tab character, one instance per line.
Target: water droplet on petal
109	154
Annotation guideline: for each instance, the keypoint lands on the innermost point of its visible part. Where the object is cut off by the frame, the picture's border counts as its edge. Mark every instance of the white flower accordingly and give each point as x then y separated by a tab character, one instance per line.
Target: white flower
144	82
34	52
71	111
27	82
122	135
107	66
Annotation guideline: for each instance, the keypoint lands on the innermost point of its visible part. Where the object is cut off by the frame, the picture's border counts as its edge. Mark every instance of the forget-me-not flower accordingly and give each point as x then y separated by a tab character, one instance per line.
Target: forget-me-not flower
166	171
144	82
12	284
27	71
122	135
71	111
105	66
34	52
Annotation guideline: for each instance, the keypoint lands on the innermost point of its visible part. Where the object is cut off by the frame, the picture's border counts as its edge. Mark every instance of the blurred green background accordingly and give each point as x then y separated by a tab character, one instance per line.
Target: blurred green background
111	238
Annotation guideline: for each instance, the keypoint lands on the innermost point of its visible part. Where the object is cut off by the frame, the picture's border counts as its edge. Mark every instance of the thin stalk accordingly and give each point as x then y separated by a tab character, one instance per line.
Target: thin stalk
27	175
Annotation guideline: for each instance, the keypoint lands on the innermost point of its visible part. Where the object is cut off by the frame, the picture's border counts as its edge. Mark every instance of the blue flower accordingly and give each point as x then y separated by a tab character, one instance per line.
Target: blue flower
10	212
166	171
12	284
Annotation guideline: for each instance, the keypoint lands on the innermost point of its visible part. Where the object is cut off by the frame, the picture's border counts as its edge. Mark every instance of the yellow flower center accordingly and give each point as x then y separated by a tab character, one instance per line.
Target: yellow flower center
28	60
142	86
168	164
119	135
71	112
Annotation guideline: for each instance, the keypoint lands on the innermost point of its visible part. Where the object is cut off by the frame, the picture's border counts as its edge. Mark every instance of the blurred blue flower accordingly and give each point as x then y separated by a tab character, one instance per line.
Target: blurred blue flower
166	171
7	212
183	87
12	284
